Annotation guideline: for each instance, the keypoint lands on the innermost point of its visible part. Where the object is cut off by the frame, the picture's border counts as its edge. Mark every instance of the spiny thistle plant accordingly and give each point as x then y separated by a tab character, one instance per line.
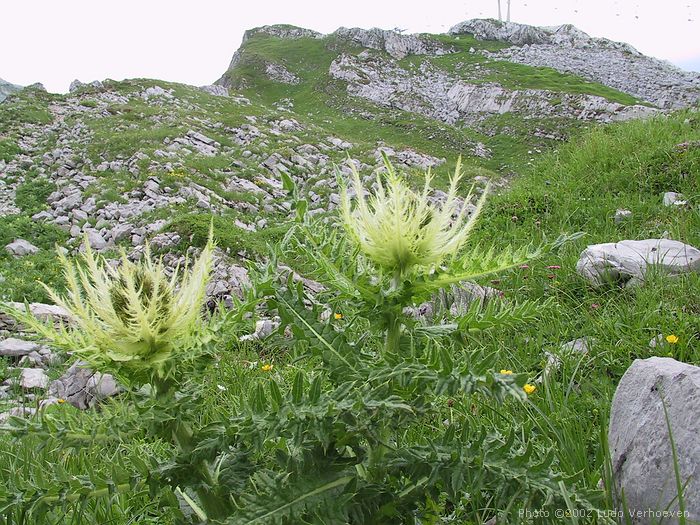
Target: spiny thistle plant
346	441
399	229
400	248
135	319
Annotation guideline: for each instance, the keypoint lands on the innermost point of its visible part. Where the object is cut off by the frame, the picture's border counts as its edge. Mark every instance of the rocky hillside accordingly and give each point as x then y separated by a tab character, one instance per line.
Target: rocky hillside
124	162
504	88
7	89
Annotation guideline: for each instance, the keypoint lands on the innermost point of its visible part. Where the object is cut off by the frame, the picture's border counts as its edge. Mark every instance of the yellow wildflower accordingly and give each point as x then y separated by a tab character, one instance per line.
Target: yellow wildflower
266	367
60	400
506	372
529	389
672	339
337	316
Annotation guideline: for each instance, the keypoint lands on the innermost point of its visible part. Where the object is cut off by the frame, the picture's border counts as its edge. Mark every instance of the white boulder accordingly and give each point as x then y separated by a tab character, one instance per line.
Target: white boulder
640	444
628	261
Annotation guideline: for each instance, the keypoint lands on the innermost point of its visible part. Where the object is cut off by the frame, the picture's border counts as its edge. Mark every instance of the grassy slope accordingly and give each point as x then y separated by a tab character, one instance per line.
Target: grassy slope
577	188
325	101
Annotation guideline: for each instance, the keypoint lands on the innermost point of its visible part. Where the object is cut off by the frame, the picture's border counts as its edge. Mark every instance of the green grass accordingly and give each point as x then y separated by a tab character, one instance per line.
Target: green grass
20	278
320	100
8	149
325	103
27	106
520	76
576	188
509	74
194	231
30	197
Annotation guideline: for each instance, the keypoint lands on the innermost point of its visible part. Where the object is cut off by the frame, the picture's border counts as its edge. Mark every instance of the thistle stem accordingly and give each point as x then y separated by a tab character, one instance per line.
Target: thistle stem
393	334
393	330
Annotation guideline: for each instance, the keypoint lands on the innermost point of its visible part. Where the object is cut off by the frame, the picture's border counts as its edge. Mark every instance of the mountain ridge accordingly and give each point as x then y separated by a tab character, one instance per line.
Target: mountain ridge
7	88
529	45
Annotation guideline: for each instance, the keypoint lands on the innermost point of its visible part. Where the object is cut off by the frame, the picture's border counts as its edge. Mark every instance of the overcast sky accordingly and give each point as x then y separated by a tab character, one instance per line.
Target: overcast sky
56	41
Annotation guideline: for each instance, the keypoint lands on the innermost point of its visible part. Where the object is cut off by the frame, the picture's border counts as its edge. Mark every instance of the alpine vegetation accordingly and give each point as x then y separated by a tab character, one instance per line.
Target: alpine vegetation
330	444
336	287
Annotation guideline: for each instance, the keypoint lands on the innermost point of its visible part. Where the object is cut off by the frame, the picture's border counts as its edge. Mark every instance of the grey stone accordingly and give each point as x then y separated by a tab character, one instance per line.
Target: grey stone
621	216
454	301
43	312
157	92
570	50
437	94
31	378
582	345
17	412
279	73
75	86
640	444
628	261
671	198
394	43
20	248
95	239
213	89
13	347
263	328
83	387
42	216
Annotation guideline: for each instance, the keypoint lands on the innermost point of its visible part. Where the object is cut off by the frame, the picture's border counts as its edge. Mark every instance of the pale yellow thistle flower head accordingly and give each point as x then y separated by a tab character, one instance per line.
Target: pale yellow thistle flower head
400	229
134	317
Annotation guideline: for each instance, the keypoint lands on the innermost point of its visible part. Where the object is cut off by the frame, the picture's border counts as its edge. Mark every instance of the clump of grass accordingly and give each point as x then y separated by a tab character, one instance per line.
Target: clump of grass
30	197
8	149
194	229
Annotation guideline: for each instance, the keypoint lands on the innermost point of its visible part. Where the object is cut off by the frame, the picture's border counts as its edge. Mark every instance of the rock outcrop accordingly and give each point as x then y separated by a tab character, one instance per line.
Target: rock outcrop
82	387
436	94
395	44
627	262
7	89
653	395
570	50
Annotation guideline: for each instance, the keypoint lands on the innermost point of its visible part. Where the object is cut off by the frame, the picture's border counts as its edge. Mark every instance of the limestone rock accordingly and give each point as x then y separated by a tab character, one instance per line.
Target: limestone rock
20	248
394	43
213	89
671	198
570	50
96	241
279	73
621	216
454	300
43	312
83	387
31	378
263	328
639	441
75	86
627	261
13	347
7	89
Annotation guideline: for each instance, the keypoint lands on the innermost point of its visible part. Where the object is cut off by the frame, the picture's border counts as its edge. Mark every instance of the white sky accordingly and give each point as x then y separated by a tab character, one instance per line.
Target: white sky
56	41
